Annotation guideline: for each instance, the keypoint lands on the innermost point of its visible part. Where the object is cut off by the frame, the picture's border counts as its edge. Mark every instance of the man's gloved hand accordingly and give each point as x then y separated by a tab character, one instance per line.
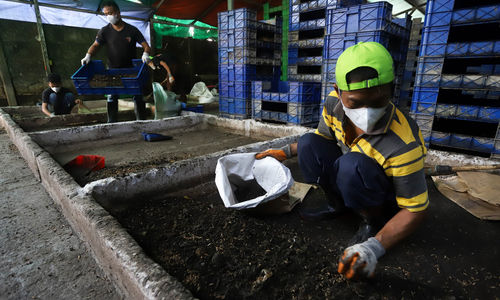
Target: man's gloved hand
145	57
360	260
52	115
171	79
86	59
280	154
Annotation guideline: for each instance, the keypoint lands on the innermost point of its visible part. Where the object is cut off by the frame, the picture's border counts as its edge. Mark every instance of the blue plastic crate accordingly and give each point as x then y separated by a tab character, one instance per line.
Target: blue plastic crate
424	122
486	48
489	113
424	100
223	104
442	18
439	6
470	81
337	43
130	85
434	41
329	70
459	141
476	14
238	18
359	18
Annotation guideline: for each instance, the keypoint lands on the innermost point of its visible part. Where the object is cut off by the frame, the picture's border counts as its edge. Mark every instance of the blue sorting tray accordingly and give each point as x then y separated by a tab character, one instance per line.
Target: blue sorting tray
129	86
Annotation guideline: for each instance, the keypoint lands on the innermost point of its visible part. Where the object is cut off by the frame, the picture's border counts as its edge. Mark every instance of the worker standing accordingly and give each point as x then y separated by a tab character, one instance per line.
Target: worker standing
121	39
367	155
56	99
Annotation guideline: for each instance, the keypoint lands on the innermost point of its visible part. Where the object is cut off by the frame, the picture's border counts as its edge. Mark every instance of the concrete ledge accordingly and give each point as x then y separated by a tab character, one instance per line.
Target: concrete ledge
114	192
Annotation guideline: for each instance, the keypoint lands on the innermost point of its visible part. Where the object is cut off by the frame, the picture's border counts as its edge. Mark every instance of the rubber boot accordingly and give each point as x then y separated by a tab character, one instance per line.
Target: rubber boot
370	225
334	207
139	109
112	111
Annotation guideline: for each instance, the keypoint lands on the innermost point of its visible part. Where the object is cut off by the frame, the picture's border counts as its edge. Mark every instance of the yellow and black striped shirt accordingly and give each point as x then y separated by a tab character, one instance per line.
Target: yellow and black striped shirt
395	143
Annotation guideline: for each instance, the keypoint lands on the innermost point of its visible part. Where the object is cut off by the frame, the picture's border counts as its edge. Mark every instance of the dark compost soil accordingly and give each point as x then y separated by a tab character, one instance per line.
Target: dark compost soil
101	80
225	254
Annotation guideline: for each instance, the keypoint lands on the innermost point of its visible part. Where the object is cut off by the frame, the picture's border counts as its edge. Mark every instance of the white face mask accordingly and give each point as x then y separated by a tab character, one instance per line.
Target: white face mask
113	19
56	89
364	118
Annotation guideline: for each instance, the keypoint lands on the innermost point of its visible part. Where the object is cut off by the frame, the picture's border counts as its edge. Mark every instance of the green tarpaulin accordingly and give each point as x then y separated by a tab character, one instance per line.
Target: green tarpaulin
198	30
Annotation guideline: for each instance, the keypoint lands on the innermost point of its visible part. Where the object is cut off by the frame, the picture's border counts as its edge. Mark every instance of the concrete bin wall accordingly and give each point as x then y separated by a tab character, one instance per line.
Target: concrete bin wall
132	271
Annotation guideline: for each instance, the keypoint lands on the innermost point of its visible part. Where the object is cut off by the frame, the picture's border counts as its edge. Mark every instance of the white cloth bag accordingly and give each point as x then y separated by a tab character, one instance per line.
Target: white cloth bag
275	178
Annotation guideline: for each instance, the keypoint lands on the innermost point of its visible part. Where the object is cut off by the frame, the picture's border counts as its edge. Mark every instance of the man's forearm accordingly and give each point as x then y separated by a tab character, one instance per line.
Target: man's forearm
146	47
93	49
45	110
399	227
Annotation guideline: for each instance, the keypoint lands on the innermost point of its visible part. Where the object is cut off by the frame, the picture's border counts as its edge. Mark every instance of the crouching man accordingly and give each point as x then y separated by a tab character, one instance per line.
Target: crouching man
367	156
56	99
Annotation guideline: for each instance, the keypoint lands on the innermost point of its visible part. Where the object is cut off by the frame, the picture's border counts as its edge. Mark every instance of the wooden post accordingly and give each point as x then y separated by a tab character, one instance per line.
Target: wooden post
152	37
41	36
6	80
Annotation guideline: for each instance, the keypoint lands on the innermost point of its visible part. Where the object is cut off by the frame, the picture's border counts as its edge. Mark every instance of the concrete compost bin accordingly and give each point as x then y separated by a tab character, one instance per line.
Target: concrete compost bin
133	272
31	118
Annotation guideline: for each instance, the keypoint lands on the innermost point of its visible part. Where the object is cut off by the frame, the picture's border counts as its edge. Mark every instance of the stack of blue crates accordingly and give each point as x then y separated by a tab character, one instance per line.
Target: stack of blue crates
409	73
291	102
457	86
306	37
248	50
370	22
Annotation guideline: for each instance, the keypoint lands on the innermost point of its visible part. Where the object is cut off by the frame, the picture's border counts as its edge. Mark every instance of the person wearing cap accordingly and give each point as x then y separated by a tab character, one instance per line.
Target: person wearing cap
367	155
121	39
56	99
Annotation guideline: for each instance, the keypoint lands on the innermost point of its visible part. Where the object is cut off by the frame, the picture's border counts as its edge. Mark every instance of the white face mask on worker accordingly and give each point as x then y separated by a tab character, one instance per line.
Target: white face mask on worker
364	118
56	89
113	19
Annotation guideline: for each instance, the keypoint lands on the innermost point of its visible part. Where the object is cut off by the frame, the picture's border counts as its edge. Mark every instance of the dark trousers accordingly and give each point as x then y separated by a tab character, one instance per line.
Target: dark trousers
358	179
139	108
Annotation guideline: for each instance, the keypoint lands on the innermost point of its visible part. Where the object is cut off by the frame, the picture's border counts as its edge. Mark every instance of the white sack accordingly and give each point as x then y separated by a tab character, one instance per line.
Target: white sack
201	91
236	169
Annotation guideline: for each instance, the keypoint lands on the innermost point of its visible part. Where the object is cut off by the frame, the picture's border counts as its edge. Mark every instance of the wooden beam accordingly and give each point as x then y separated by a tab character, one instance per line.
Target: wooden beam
6	79
41	37
230	5
410	11
417	6
207	11
255	3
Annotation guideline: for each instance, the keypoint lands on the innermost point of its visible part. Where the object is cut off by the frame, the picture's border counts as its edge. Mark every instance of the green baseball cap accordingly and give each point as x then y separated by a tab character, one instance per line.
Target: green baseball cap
364	54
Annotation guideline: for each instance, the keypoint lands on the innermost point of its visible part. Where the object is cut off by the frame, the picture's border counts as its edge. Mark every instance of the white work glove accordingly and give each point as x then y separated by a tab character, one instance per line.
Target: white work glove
360	260
145	57
86	59
52	115
171	79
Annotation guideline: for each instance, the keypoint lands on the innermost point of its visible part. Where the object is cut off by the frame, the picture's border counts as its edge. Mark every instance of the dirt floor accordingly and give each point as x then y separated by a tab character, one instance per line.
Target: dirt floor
123	158
41	257
225	254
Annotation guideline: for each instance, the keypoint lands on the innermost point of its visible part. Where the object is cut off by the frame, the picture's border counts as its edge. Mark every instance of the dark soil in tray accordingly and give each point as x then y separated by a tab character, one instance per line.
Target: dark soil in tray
122	171
220	253
100	80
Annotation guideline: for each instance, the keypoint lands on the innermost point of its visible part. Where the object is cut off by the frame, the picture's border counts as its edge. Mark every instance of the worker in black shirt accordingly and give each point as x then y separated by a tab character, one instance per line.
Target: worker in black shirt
56	99
121	39
160	62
